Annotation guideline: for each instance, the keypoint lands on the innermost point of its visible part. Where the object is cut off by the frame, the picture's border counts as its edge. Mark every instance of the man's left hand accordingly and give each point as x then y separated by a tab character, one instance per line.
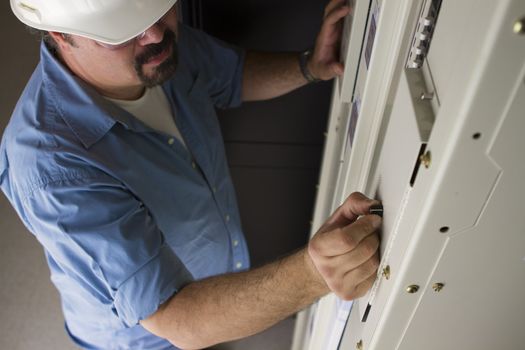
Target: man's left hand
324	63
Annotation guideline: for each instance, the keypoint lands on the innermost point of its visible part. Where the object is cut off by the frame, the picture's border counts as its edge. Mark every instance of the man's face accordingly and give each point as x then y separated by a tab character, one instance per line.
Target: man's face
147	60
157	62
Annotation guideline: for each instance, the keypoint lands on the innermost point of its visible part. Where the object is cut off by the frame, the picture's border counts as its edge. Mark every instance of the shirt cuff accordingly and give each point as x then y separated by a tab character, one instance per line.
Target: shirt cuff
153	284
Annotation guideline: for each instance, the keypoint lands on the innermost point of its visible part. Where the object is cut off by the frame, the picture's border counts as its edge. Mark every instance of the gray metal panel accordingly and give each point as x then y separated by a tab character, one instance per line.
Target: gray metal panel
457	192
456	25
483	268
399	155
353	37
462	224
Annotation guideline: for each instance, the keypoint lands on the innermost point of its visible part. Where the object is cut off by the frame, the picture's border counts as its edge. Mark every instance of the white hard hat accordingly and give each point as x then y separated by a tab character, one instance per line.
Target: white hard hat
109	21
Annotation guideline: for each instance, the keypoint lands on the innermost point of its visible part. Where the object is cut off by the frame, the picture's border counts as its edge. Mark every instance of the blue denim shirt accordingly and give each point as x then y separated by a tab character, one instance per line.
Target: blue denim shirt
126	215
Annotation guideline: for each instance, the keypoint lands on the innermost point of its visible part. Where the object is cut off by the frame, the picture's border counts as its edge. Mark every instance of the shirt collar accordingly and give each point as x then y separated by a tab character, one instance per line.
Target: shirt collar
85	111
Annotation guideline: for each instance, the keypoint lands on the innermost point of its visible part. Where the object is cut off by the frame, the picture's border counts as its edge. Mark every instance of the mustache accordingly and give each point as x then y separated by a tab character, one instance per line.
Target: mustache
153	50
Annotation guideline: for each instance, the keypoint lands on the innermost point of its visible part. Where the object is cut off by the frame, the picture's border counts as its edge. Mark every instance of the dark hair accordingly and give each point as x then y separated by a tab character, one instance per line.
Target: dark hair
48	39
44	36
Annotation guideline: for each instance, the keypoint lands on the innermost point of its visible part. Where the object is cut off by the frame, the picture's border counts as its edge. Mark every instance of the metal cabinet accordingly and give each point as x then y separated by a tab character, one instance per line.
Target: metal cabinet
439	109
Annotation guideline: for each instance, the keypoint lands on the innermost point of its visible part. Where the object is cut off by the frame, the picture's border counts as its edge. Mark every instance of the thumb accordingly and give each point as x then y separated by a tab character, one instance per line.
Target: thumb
337	68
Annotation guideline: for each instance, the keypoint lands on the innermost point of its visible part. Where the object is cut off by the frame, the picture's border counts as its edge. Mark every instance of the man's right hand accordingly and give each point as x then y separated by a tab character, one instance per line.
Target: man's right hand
344	252
341	257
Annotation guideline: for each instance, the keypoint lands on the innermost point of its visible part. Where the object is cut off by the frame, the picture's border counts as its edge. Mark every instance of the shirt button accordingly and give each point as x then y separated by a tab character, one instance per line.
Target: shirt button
227	217
238	265
235	243
193	165
171	141
215	190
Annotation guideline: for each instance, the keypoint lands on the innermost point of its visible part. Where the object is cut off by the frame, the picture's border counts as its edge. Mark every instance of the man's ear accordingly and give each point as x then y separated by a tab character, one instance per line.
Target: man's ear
57	37
63	41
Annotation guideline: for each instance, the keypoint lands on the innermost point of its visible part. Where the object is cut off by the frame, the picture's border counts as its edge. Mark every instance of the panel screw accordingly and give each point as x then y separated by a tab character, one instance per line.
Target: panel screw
386	272
425	96
519	26
359	345
426	159
413	288
438	287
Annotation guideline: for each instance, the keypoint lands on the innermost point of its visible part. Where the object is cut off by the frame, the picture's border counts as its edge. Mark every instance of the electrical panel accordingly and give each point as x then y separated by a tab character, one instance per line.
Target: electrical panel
428	118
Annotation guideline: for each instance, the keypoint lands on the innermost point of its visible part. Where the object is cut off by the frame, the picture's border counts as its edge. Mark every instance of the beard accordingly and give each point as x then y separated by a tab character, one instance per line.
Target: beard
163	71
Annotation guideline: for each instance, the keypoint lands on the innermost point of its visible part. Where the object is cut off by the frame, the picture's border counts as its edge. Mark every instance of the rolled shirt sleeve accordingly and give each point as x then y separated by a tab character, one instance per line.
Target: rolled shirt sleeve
124	217
105	241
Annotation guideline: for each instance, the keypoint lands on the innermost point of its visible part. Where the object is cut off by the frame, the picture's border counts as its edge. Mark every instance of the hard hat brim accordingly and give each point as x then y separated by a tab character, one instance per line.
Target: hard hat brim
114	27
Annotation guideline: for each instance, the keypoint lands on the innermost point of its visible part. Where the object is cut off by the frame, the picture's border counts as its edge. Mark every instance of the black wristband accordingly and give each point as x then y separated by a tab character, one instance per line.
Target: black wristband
303	60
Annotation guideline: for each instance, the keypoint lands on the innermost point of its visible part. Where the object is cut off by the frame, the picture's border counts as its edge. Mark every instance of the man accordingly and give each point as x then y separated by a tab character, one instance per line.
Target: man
113	159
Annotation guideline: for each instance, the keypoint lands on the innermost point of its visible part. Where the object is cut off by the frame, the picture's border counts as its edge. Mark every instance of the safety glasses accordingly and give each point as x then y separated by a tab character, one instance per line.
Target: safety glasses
124	44
138	37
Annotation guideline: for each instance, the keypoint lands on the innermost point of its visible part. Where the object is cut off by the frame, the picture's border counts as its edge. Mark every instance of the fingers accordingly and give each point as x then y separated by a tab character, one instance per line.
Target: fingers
368	248
336	268
343	240
361	288
332	5
345	252
364	271
356	204
327	42
338	68
354	282
336	14
331	29
359	280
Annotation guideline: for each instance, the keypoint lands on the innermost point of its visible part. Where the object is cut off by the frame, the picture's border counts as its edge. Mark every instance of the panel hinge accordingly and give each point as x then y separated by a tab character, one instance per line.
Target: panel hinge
423	33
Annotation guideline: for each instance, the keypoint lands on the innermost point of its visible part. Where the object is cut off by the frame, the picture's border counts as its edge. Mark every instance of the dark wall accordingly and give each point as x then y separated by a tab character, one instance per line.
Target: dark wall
274	147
